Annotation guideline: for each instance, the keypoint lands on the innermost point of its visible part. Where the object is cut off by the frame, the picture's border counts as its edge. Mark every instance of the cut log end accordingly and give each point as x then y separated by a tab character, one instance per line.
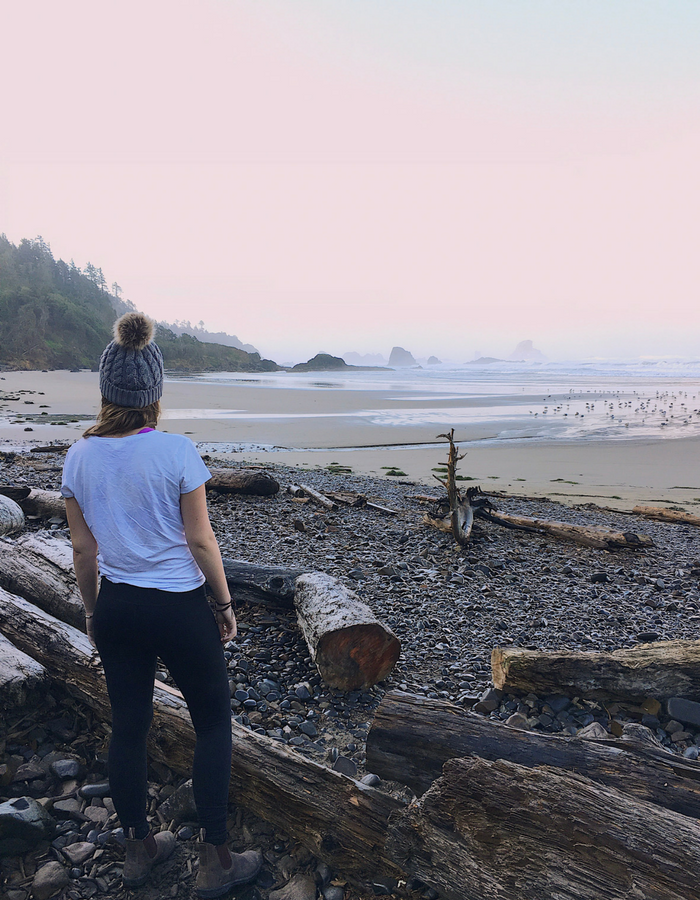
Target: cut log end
357	657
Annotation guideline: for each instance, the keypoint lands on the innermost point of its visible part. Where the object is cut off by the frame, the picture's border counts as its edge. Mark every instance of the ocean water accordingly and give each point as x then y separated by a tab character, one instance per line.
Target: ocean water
581	400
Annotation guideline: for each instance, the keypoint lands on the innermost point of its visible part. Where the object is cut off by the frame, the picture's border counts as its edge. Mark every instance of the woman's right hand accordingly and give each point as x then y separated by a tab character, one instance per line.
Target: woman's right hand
226	620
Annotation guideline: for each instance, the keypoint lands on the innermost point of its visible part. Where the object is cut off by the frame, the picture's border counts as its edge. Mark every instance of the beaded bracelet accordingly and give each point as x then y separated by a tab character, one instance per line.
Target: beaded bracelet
218	608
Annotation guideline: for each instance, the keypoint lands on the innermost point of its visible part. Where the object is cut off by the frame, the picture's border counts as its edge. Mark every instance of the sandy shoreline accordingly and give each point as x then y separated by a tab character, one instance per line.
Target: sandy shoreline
617	473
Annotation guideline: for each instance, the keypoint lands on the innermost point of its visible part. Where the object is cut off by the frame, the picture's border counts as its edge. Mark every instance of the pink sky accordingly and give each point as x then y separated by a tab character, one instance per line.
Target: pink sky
350	176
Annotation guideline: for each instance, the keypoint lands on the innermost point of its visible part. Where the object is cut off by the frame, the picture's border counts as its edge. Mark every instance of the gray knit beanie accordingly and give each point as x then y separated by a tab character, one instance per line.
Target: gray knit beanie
131	367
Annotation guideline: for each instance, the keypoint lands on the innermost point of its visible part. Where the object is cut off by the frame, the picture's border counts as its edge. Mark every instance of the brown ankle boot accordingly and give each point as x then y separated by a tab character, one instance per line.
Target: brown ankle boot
141	856
220	870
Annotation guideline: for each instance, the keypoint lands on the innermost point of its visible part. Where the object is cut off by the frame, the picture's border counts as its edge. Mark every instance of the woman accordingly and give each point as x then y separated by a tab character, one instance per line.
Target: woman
137	512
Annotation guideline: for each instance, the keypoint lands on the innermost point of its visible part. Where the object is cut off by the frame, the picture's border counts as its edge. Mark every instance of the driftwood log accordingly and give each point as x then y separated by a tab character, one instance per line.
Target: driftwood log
11	516
20	675
586	535
40	568
350	647
15	492
413	737
317	497
662	670
355	648
674	516
497	830
235	481
266	585
459	518
45	504
338	819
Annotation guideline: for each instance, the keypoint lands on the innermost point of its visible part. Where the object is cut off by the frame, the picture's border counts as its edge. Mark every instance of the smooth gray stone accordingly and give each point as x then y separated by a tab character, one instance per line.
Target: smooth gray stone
300	887
49	880
79	852
333	892
101	790
345	766
65	768
371	779
23	823
687	711
308	728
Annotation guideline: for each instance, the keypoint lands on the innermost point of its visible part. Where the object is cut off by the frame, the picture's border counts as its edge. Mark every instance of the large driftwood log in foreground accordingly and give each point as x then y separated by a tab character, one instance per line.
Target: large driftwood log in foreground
40	568
496	830
266	585
666	515
587	535
413	737
20	675
46	504
234	481
11	516
351	648
339	820
661	670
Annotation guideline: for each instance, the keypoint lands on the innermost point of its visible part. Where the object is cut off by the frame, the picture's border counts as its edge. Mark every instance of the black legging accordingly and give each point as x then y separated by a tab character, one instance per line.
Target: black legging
132	627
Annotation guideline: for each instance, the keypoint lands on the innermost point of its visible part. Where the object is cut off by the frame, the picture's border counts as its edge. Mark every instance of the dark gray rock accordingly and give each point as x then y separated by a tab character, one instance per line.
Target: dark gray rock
333	892
517	720
180	805
23	823
687	711
65	768
345	766
49	880
101	790
489	700
299	887
79	852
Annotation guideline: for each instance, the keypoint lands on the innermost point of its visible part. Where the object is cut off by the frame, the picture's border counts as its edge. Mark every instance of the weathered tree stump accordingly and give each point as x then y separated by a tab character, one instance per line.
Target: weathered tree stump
661	670
497	830
350	647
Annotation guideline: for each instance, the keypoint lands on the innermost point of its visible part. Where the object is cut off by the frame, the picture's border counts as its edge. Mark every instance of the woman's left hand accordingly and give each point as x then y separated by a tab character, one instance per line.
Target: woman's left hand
226	620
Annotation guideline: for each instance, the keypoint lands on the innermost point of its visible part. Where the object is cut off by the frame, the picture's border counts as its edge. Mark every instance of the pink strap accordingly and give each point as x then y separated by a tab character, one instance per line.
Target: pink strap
144	430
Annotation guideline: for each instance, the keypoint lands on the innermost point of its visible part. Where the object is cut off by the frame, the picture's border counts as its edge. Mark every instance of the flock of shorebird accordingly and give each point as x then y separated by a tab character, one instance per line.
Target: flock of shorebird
660	410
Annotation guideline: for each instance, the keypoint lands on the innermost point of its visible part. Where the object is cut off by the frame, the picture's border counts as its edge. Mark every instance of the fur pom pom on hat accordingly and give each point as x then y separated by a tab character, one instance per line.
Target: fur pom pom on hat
131	367
133	331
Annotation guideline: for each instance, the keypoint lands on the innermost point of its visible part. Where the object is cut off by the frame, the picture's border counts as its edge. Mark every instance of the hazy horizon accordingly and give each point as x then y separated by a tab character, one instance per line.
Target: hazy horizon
450	178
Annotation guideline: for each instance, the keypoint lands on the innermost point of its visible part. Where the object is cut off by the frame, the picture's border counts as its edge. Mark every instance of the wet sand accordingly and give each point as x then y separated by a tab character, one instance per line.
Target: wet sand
319	424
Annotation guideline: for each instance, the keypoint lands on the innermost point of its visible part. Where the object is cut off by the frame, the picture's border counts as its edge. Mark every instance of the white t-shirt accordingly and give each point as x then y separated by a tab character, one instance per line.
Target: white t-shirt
128	489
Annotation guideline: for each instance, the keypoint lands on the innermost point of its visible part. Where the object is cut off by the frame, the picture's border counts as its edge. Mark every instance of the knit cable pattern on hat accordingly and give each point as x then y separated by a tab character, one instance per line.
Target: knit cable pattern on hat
131	378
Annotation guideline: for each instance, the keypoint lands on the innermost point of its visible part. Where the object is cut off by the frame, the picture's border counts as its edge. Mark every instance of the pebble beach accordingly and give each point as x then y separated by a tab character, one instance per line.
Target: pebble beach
449	607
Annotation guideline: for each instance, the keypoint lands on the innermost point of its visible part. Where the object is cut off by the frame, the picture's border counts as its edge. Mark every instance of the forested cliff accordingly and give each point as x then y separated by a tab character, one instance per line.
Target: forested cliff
55	316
